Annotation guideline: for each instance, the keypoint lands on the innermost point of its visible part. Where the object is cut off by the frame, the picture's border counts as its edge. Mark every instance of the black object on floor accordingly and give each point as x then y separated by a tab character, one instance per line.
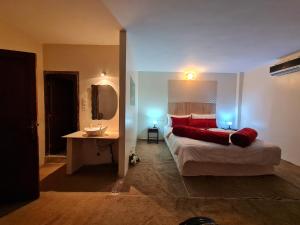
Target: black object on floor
198	221
153	135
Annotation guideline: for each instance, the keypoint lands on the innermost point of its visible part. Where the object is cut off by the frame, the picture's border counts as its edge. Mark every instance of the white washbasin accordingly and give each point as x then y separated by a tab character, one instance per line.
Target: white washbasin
95	131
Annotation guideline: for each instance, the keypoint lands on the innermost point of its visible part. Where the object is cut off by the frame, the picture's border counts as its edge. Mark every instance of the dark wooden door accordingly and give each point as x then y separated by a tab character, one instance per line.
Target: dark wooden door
19	167
61	109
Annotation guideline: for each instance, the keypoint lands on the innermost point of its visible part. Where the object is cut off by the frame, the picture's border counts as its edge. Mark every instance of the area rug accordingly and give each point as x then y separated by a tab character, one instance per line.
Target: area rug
265	187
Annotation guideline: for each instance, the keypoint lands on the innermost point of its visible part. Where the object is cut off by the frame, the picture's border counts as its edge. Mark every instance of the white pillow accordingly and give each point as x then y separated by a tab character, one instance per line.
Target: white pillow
177	116
203	116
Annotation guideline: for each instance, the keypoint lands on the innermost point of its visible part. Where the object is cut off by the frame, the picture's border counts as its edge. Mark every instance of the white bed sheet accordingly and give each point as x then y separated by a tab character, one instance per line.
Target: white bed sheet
186	149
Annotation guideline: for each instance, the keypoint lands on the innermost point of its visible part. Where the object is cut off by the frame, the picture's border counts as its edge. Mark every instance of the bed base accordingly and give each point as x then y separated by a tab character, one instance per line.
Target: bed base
219	169
192	168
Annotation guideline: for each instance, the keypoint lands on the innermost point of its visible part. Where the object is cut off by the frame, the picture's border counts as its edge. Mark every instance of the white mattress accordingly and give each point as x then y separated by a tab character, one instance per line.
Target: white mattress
189	150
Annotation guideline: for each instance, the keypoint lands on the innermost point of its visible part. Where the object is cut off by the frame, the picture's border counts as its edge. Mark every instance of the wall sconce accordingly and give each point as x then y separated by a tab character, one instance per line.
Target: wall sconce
191	75
103	74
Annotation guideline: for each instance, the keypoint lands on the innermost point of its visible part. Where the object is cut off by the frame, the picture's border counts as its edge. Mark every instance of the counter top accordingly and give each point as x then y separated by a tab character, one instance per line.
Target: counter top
82	135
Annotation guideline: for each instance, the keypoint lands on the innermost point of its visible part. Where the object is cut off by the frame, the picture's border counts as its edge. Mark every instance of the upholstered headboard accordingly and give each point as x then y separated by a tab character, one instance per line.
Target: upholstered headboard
184	108
195	96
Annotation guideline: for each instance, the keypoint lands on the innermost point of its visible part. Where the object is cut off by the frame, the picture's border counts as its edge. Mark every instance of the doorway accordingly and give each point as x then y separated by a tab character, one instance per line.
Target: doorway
61	111
19	161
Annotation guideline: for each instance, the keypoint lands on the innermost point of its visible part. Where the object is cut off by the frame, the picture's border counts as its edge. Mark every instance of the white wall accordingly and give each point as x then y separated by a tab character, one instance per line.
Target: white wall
128	112
14	39
272	105
153	98
131	114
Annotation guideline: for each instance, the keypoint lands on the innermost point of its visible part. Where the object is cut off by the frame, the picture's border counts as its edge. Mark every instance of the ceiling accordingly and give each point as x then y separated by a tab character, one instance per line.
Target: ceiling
62	21
211	35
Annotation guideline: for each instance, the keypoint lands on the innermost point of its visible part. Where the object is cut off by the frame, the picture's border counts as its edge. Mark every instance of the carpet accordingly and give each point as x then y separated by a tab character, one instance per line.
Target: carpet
154	193
260	187
90	208
157	175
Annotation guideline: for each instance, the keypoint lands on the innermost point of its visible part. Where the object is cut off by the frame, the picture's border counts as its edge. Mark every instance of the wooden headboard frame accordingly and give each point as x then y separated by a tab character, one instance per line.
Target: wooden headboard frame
184	108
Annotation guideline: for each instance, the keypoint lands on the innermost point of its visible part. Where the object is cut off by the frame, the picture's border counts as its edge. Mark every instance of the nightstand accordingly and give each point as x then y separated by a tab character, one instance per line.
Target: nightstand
153	135
230	129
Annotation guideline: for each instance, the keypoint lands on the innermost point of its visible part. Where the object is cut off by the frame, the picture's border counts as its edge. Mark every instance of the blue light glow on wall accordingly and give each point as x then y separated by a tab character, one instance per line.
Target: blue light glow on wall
154	114
224	117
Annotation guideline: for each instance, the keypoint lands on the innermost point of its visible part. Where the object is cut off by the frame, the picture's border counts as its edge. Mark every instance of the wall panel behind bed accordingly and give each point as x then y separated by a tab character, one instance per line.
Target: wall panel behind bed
192	96
153	97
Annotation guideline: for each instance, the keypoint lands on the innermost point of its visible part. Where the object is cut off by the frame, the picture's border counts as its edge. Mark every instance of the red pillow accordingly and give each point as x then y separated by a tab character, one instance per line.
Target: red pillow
203	123
203	135
199	123
212	123
177	121
243	137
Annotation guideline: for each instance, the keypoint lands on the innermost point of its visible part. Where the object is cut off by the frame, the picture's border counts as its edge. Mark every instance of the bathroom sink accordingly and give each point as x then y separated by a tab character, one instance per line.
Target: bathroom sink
95	131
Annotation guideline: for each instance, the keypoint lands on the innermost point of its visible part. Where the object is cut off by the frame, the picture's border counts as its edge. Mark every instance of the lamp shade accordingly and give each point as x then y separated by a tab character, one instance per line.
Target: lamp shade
229	123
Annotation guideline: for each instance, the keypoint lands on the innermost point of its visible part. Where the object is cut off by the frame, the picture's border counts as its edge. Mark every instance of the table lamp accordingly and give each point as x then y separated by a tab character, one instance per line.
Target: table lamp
154	123
229	123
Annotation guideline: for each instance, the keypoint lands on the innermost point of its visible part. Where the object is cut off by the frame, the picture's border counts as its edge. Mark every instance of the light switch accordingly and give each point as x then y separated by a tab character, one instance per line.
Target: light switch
83	105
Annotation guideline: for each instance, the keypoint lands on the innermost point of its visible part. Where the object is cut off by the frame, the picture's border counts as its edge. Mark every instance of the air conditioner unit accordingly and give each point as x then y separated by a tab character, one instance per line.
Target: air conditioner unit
286	67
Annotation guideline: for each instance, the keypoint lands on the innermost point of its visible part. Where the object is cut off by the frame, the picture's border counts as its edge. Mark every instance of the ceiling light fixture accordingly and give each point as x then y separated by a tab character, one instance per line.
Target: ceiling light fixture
191	75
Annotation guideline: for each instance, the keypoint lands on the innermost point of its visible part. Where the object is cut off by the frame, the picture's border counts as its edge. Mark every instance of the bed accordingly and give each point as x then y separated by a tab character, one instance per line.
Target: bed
197	158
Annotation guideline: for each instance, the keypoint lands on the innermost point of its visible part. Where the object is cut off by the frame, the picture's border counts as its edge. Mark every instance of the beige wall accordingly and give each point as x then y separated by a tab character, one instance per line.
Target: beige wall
192	91
153	98
13	39
64	21
271	105
89	61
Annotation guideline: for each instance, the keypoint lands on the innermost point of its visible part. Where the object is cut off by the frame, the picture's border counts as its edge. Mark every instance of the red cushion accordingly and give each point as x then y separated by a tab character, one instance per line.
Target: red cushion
243	137
203	135
176	121
199	123
203	123
211	123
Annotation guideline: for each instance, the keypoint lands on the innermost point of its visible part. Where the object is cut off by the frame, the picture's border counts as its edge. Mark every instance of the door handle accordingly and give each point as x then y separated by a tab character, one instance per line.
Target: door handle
33	124
33	127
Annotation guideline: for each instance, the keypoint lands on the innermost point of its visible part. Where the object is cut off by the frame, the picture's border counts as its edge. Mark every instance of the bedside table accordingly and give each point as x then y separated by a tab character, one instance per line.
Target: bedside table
230	129
153	135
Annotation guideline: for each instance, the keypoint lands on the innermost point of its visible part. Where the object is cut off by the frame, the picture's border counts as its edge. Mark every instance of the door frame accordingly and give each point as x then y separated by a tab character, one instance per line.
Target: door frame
69	75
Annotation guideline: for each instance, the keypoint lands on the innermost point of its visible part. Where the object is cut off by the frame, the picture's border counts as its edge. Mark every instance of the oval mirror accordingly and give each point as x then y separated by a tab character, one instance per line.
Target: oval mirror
104	102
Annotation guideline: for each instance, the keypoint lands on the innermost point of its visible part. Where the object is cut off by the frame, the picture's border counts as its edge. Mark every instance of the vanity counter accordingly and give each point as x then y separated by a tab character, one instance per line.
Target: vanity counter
82	134
78	155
